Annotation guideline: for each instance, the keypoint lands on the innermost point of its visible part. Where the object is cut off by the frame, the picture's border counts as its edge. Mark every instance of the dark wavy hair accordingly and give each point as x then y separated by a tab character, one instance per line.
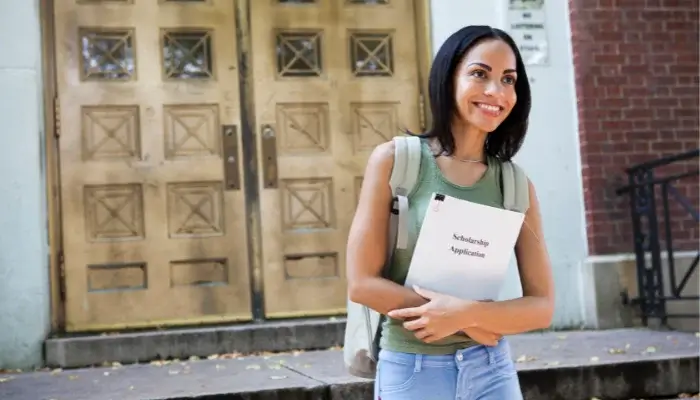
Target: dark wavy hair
505	141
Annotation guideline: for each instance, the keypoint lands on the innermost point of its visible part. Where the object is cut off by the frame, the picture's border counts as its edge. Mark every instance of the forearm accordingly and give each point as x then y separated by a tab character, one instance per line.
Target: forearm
383	295
510	317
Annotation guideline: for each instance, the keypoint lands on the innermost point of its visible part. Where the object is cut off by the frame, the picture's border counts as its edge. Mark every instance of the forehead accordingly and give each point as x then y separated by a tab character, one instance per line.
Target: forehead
493	52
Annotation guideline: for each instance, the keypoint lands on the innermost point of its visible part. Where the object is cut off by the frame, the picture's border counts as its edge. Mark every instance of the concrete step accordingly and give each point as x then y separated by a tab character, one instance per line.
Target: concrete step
616	364
77	351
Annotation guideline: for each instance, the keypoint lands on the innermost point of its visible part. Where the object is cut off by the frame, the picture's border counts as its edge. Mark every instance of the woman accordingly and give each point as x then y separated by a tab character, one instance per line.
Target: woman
434	346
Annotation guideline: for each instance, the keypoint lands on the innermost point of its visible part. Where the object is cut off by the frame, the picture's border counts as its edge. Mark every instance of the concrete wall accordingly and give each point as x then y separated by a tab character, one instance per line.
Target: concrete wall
24	278
551	151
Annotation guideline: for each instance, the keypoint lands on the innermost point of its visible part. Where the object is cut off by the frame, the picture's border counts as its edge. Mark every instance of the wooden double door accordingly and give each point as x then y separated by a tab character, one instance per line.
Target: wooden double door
211	151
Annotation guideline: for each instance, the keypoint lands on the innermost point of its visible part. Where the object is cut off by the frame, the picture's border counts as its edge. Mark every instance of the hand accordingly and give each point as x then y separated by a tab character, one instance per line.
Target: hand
438	318
483	337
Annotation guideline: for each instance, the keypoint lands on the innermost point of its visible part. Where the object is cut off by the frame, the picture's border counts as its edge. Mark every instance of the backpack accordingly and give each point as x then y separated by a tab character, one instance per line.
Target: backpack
363	325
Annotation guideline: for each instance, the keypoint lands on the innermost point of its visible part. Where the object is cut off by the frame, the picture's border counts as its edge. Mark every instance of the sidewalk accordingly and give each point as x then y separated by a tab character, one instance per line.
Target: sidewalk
614	364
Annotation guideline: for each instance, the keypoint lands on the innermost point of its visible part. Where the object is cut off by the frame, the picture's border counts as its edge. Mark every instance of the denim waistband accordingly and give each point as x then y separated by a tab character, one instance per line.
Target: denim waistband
477	353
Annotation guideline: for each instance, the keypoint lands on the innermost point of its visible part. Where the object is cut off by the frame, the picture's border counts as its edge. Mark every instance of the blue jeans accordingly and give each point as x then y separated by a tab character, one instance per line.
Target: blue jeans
476	373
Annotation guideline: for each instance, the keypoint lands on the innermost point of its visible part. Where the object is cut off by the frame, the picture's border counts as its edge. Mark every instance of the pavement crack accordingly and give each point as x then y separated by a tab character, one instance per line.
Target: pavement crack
304	374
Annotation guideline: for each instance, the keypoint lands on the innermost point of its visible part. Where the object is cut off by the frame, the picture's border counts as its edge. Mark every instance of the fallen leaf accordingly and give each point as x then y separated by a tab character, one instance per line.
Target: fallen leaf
594	359
106	373
650	349
6	379
277	377
56	371
253	366
219	366
616	351
561	337
525	358
553	363
73	377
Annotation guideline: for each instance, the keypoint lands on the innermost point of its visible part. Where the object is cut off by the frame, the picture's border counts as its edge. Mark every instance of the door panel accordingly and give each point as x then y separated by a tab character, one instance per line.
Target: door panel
332	80
153	214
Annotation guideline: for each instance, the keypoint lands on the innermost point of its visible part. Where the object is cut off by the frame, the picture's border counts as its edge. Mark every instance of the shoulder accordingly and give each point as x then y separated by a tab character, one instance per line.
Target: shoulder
382	157
380	164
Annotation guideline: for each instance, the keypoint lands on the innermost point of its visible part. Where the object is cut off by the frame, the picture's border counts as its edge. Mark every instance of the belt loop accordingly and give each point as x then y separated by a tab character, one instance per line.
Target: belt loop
419	363
492	353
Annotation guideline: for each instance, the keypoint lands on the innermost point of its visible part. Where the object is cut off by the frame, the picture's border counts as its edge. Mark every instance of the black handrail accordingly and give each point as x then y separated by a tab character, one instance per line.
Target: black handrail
642	190
659	162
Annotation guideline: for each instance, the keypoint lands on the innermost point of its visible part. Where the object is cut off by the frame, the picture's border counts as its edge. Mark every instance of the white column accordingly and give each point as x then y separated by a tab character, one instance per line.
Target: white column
24	275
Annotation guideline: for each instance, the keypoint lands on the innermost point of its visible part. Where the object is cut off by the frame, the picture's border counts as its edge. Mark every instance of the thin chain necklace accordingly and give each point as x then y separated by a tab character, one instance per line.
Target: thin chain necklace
464	160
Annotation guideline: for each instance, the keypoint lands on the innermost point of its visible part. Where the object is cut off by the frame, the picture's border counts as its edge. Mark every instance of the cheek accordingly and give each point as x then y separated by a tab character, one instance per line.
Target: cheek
512	98
463	92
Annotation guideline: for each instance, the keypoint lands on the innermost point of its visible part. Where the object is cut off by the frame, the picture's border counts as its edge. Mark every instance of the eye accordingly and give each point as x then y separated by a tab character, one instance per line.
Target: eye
509	80
479	73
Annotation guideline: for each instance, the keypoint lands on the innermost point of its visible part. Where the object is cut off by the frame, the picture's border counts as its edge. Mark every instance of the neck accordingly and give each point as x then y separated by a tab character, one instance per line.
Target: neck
469	142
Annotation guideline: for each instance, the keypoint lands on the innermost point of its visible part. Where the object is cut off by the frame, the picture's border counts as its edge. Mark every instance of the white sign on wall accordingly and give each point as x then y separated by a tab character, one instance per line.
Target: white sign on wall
526	23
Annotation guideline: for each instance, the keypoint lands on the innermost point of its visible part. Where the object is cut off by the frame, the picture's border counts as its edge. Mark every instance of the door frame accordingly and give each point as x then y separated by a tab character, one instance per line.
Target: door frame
52	132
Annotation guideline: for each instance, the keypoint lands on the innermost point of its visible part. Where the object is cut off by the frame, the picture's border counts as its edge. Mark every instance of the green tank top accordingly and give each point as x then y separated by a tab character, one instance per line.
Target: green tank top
487	191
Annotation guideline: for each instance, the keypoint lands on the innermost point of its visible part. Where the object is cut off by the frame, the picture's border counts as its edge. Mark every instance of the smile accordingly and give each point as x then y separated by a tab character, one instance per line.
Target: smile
489	109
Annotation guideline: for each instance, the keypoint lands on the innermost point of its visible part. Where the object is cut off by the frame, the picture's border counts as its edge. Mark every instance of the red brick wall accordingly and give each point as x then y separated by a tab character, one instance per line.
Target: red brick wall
636	69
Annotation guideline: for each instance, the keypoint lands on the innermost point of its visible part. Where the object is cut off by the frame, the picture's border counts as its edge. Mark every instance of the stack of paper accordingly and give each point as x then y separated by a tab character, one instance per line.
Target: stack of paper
464	248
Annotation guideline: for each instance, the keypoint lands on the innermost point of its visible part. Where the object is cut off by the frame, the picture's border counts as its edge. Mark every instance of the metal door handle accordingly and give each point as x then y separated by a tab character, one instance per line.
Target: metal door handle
232	175
269	154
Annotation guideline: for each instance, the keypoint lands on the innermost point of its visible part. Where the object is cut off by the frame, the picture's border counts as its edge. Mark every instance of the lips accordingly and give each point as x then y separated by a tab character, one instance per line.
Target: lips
492	110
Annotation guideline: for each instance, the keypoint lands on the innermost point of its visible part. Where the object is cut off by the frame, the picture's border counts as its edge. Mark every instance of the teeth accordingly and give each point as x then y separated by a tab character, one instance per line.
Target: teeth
489	107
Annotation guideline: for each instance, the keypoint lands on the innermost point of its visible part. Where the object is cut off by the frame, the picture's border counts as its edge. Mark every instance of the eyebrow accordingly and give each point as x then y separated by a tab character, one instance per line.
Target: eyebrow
488	68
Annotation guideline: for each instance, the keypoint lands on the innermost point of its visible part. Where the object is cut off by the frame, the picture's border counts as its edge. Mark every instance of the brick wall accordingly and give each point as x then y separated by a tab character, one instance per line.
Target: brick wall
636	69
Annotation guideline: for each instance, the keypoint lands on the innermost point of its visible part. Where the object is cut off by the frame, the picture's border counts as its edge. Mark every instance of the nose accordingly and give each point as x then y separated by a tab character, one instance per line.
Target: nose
494	88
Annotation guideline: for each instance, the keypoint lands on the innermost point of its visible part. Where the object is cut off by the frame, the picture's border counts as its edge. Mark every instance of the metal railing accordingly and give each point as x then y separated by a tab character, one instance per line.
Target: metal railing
644	188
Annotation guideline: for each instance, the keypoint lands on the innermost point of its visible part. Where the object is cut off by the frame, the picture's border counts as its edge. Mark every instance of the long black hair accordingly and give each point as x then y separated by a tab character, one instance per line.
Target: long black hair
505	141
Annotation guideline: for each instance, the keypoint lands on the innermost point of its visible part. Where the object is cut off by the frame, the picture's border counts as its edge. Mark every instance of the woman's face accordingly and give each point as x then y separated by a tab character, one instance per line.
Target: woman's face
485	85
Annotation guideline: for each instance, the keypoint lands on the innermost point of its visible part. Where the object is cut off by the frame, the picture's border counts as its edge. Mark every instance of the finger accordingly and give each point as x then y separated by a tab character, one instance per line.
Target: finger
415	324
428	294
431	339
404	313
422	334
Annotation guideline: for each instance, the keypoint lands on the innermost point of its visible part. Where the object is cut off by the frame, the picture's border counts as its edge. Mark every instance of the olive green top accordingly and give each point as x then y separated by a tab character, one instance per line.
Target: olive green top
486	191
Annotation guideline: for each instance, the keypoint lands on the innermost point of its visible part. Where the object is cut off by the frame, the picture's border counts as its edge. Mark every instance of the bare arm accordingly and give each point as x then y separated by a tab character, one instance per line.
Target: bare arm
367	242
534	310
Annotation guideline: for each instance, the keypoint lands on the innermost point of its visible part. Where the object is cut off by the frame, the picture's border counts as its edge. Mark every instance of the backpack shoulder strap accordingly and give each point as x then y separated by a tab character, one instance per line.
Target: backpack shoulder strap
404	176
516	193
407	154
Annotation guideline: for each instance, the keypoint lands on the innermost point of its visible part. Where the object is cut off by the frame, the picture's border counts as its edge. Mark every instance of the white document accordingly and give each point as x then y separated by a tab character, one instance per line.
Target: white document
464	248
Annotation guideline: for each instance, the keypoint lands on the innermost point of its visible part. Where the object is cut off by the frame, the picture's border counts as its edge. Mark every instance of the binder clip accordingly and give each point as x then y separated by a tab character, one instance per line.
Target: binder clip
437	200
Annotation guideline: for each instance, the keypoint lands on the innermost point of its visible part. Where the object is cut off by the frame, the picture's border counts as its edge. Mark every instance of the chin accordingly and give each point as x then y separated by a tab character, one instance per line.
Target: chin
485	124
487	127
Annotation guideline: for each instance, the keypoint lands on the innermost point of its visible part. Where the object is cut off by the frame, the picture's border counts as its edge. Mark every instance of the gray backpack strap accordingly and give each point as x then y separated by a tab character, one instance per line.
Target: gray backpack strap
363	325
404	176
516	193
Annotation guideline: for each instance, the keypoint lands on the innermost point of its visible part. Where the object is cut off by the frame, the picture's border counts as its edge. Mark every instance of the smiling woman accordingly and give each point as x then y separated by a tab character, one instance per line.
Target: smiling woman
435	346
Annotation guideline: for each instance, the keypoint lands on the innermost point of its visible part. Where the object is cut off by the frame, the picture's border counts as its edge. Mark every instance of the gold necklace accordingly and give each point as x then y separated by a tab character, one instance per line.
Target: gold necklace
465	160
